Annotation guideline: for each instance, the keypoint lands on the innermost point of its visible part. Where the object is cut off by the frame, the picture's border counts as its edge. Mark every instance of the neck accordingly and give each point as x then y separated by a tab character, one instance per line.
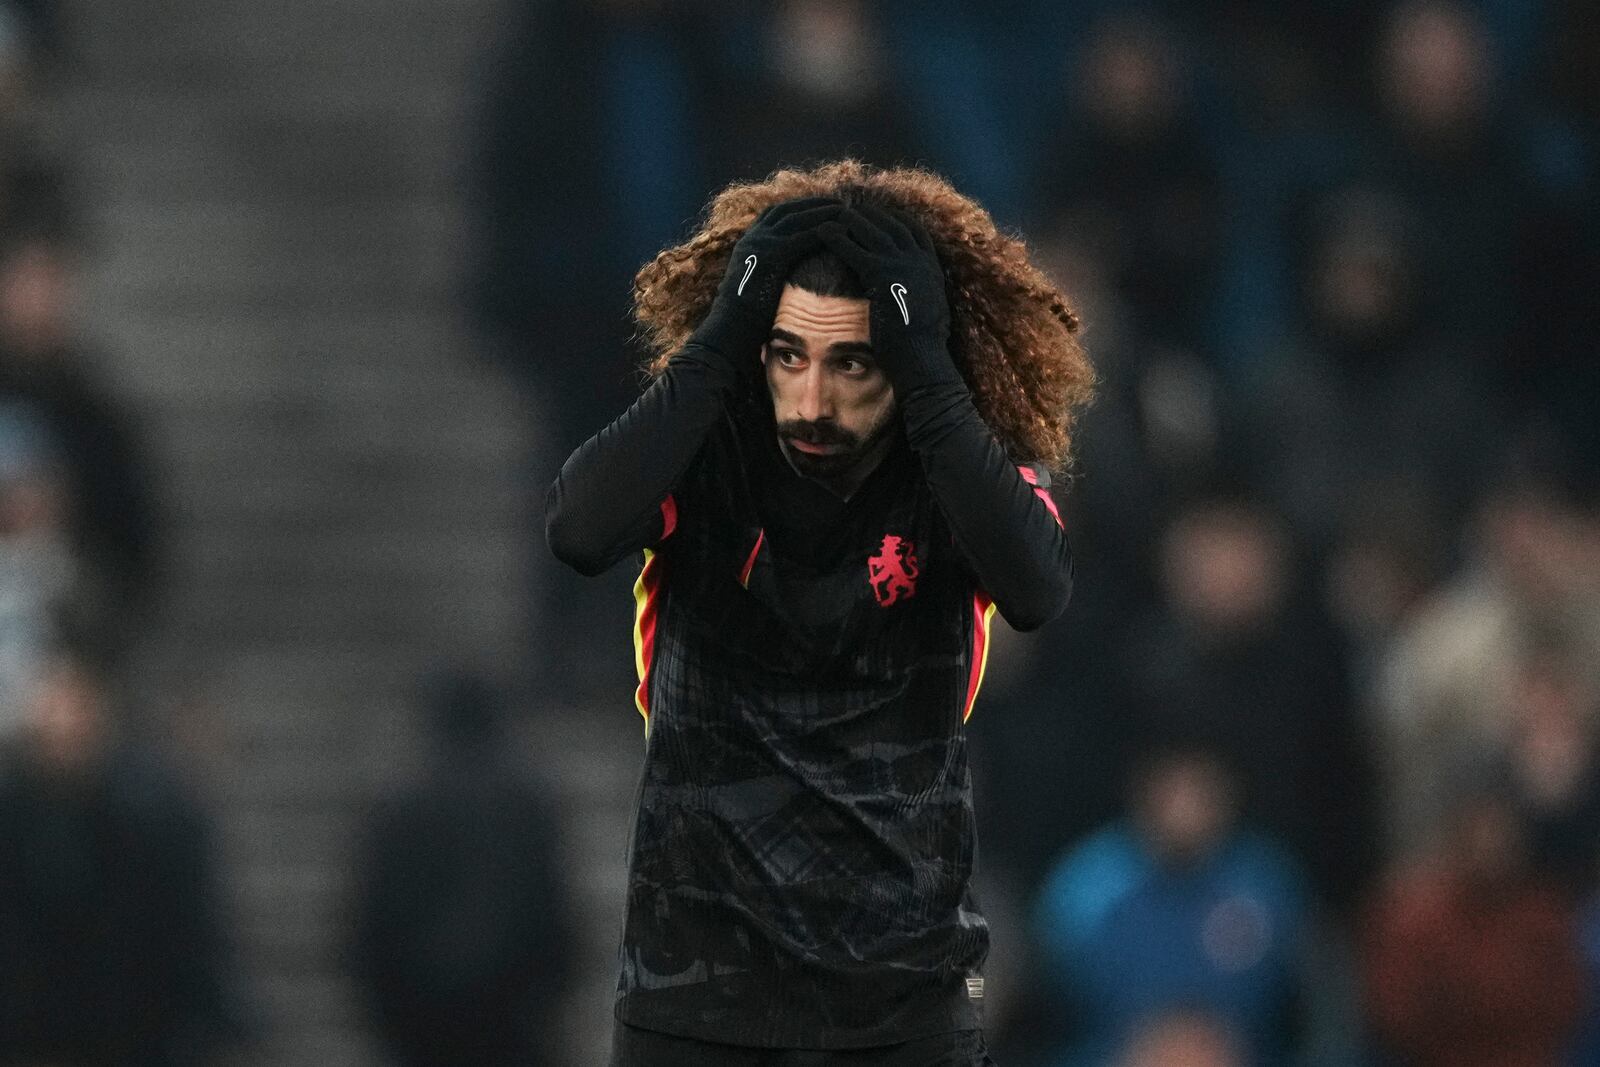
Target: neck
845	484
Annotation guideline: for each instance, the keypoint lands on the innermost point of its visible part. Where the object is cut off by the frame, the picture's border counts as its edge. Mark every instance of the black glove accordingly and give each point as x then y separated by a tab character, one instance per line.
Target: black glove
740	319
893	256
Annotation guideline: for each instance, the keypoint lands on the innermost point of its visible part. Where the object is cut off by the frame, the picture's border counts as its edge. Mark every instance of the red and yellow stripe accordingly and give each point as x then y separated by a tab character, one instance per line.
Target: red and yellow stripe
646	609
749	564
983	607
982	616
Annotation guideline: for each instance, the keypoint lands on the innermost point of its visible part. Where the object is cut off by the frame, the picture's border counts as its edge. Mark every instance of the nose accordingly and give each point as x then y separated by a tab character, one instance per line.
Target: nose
816	397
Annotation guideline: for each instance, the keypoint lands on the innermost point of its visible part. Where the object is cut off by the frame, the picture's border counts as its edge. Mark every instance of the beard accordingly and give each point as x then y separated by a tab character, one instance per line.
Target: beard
846	450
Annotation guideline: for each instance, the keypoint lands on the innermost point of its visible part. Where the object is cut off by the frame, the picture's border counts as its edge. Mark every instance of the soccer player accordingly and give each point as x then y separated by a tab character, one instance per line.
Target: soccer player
835	478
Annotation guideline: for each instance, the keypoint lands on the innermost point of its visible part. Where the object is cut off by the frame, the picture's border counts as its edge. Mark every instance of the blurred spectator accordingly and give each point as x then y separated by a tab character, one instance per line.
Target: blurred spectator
1277	108
1503	194
13	66
1449	683
1552	767
114	955
1388	556
1052	734
1437	74
1471	958
1370	393
1235	655
818	89
1158	435
39	576
1181	1039
462	938
106	502
1447	142
1129	174
1180	907
981	128
1586	1047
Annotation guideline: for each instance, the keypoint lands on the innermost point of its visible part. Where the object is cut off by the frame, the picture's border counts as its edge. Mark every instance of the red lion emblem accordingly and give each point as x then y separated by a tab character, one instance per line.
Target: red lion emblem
893	571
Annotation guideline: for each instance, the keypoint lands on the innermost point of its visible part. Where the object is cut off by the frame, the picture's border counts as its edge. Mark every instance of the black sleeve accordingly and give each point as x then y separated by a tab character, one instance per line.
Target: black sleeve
607	502
1006	527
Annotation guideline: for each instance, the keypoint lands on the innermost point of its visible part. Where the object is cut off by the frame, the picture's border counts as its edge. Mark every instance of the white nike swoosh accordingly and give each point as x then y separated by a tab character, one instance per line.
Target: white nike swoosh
749	269
898	291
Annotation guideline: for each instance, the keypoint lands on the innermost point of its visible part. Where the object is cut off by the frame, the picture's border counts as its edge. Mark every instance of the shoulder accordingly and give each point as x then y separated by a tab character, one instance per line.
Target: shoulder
713	490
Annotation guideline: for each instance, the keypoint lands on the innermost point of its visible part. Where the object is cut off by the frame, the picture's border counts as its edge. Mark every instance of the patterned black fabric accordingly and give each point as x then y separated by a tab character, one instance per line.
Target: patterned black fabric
633	1047
801	861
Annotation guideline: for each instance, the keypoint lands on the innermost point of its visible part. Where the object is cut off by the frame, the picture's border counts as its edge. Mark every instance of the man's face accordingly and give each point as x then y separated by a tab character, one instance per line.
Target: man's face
833	406
35	293
67	718
1185	809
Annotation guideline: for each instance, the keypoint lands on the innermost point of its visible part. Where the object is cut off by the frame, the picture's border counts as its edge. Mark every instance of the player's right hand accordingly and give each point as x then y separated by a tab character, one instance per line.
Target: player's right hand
741	314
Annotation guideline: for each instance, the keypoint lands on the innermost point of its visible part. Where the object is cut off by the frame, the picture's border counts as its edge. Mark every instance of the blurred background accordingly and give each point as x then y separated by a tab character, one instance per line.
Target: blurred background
309	753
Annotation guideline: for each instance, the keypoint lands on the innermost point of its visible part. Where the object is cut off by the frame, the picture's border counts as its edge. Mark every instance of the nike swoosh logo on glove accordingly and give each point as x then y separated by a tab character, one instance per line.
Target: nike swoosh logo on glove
749	269
898	291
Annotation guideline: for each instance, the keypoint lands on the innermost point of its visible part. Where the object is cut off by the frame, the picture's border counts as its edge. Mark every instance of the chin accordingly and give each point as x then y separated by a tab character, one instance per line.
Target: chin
820	468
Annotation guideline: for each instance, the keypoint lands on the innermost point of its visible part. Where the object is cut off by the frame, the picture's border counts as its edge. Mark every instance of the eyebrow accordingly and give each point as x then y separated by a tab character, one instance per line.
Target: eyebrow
838	348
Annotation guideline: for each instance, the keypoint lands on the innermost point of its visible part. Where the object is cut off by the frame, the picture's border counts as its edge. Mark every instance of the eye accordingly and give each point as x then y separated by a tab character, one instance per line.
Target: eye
788	357
855	368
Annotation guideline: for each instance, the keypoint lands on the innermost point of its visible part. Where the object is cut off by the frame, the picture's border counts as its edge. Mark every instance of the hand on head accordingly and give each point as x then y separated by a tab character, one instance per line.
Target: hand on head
893	255
783	235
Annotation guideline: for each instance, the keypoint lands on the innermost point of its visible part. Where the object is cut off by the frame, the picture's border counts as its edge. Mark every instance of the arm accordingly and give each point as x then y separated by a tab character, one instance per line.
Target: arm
610	499
1006	527
613	495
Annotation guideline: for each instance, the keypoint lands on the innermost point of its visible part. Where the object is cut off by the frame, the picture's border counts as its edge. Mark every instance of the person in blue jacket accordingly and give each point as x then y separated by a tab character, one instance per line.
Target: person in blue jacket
1177	907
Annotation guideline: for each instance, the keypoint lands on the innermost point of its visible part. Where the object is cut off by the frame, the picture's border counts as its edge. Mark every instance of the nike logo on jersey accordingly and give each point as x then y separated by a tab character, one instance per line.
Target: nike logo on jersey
749	269
898	291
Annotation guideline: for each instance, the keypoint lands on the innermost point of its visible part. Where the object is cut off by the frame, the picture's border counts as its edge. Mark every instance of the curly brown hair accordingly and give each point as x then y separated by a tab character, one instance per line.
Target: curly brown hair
1013	334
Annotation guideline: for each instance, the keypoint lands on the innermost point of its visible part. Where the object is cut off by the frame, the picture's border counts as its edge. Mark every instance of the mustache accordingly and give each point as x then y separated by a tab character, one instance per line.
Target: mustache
817	433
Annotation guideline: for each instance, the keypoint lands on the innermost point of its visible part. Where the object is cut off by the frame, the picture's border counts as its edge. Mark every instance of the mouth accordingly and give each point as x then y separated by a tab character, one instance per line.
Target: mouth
811	449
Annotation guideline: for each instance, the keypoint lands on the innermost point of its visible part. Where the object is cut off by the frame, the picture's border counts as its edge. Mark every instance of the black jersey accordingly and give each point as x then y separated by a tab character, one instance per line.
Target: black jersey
802	857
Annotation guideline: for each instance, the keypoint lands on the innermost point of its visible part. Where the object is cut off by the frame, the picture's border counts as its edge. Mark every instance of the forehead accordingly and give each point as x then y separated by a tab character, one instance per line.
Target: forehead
822	320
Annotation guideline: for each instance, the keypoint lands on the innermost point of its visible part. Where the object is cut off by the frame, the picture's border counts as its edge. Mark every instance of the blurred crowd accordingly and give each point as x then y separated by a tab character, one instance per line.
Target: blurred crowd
112	947
1308	773
118	947
77	520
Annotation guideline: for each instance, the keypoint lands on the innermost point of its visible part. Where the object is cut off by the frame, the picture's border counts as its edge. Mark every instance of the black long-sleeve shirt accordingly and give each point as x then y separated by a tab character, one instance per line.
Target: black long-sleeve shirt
804	842
606	503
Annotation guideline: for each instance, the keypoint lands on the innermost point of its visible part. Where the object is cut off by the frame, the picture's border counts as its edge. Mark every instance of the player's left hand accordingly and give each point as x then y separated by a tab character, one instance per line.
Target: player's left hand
894	258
